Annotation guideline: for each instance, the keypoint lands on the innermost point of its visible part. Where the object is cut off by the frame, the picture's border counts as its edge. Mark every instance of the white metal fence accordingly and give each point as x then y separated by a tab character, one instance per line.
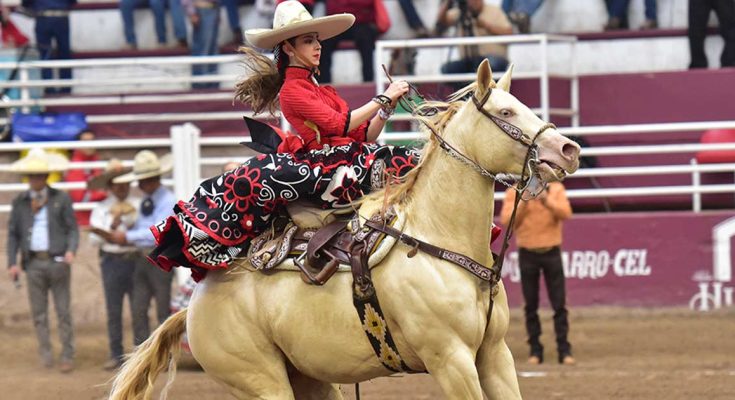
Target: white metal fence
187	145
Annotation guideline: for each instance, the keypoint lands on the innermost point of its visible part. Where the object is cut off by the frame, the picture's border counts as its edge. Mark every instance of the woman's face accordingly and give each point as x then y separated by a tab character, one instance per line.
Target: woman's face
308	48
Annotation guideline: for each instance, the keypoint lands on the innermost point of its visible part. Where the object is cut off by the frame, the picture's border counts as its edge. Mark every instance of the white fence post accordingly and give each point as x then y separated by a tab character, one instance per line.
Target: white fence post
696	182
186	154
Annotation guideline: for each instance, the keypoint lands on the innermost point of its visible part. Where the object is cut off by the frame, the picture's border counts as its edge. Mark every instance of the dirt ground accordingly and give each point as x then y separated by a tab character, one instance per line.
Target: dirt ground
621	353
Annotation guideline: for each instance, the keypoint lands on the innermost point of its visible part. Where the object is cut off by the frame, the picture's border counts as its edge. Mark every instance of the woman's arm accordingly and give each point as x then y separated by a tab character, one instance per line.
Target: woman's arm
362	114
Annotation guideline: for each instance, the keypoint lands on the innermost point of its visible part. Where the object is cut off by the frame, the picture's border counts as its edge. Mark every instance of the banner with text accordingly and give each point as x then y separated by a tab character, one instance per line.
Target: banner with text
640	259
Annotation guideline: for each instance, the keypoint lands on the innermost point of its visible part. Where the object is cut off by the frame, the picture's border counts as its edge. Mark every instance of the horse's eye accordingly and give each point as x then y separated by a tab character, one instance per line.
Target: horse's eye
506	113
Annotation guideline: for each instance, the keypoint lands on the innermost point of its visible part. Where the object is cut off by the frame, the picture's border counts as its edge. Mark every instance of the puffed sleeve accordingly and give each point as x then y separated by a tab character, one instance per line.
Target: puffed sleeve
304	101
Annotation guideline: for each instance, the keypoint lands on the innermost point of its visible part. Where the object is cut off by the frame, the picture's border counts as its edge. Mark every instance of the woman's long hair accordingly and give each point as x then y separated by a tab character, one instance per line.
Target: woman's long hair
264	78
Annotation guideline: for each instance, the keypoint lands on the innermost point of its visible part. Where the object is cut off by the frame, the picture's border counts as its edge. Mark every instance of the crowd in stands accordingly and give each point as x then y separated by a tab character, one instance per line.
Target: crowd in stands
461	17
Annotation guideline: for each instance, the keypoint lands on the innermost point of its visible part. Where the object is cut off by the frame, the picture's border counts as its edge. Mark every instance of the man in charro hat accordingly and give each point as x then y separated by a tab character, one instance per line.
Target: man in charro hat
148	283
43	229
117	212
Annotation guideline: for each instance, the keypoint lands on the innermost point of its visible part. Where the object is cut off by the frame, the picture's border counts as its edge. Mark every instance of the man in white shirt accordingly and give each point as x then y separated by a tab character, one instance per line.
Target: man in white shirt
118	213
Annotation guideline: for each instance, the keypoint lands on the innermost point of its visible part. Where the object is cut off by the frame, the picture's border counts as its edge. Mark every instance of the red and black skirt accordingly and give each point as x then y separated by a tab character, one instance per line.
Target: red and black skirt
227	211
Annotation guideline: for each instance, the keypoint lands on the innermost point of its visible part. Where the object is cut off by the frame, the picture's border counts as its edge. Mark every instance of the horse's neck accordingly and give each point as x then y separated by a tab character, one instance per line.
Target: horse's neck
451	206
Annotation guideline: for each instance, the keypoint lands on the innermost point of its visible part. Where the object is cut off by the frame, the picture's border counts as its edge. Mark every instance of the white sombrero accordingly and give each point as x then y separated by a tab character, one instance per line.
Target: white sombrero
38	161
291	19
146	164
113	169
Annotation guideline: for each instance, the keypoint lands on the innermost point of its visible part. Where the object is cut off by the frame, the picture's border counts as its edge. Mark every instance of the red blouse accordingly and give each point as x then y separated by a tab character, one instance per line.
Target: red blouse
303	100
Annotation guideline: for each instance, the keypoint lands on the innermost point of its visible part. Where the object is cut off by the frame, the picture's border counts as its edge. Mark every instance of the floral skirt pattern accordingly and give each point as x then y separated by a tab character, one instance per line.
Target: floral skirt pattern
217	223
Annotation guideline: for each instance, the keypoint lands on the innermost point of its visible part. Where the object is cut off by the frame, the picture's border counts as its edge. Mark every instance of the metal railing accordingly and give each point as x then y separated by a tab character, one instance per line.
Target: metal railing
543	40
186	146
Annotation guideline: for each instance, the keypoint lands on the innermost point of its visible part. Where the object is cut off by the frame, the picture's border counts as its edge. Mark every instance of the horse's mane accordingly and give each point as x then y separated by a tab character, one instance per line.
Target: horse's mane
434	116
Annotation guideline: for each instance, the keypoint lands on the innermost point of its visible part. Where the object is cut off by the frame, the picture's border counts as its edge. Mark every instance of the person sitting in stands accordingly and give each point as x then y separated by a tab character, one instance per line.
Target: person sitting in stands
475	20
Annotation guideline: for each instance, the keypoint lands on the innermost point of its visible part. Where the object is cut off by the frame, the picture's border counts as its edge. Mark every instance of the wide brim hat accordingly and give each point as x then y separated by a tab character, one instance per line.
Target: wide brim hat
113	169
38	161
146	164
291	19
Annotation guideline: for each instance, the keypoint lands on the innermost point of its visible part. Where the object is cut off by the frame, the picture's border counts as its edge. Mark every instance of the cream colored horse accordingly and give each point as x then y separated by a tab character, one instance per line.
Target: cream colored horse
274	337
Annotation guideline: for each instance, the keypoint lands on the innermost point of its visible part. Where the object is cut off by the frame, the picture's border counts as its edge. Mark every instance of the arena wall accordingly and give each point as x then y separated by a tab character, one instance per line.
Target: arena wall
663	259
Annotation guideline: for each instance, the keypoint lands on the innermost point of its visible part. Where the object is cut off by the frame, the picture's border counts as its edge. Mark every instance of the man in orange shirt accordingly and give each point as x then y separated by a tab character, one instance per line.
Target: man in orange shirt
538	226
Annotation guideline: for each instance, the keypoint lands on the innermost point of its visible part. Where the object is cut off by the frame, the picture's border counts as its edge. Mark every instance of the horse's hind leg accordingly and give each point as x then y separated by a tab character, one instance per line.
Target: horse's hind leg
494	360
306	388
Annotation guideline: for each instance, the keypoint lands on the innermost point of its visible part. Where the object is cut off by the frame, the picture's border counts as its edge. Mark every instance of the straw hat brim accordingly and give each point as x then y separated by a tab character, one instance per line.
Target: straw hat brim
166	165
326	27
100	181
52	162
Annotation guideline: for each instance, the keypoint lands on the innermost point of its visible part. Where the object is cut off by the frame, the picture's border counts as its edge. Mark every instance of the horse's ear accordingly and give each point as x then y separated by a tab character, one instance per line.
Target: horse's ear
504	81
484	78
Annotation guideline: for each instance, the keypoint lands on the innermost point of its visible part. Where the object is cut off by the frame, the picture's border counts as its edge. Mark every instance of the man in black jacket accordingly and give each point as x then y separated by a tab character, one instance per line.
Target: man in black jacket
43	229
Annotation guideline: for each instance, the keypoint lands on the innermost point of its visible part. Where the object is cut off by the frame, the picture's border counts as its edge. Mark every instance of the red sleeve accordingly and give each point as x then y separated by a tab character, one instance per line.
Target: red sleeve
360	133
305	102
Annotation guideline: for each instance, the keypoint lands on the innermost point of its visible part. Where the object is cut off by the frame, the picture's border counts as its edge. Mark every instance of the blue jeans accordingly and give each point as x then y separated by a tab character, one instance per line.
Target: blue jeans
528	7
204	43
619	9
233	14
177	17
127	10
412	17
56	29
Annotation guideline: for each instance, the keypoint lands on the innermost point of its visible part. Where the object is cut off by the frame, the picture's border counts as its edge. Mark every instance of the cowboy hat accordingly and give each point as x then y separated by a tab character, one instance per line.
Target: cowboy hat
291	19
38	161
146	164
113	169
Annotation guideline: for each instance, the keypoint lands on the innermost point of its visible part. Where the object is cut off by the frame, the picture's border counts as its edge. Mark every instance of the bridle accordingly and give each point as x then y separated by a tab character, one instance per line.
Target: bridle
532	155
529	165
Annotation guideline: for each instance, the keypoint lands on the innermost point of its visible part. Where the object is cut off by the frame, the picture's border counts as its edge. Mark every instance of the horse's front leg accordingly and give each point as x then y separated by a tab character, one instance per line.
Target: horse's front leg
494	361
454	369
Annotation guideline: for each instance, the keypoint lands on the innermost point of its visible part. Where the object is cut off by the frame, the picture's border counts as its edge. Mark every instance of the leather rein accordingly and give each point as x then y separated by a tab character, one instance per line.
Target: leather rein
492	274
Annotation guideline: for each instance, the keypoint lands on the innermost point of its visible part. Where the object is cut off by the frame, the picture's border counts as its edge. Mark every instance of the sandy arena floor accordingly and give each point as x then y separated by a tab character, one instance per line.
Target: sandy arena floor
622	354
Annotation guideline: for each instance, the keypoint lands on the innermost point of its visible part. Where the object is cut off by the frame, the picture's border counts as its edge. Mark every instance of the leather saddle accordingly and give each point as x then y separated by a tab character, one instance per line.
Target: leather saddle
318	241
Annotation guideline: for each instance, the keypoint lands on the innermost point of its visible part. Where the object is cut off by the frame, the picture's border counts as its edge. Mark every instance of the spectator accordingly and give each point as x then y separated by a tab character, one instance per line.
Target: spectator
232	8
477	19
83	175
538	227
148	281
127	10
520	12
699	12
617	11
363	33
43	229
413	18
52	24
204	17
116	213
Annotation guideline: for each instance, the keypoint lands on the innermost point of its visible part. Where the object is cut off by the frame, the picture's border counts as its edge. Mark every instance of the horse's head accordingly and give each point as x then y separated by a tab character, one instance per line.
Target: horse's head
500	133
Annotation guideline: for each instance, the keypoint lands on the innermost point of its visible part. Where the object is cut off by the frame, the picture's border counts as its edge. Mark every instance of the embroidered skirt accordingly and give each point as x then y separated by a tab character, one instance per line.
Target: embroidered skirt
217	223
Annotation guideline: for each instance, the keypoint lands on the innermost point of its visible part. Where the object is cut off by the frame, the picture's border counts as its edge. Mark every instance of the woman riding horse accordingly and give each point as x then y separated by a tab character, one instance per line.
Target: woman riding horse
332	162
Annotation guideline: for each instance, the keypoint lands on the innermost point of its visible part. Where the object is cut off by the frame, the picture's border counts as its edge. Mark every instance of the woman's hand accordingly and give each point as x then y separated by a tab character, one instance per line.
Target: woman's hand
396	90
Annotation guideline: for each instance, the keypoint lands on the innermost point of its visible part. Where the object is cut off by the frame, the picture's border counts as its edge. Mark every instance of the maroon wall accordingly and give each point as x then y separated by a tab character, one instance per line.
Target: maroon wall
638	259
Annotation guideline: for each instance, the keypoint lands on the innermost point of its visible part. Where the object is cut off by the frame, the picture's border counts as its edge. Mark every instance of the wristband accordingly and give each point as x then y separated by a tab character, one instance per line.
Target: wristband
385	114
383	100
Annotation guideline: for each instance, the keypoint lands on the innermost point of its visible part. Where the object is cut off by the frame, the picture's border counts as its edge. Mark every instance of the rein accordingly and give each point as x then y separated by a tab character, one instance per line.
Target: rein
531	160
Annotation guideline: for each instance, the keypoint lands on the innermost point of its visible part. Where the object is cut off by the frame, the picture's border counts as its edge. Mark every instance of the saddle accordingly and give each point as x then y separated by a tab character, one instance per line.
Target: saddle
317	242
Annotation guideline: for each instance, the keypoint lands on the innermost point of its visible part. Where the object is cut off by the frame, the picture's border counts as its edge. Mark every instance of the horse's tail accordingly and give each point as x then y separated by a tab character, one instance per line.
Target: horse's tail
137	376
